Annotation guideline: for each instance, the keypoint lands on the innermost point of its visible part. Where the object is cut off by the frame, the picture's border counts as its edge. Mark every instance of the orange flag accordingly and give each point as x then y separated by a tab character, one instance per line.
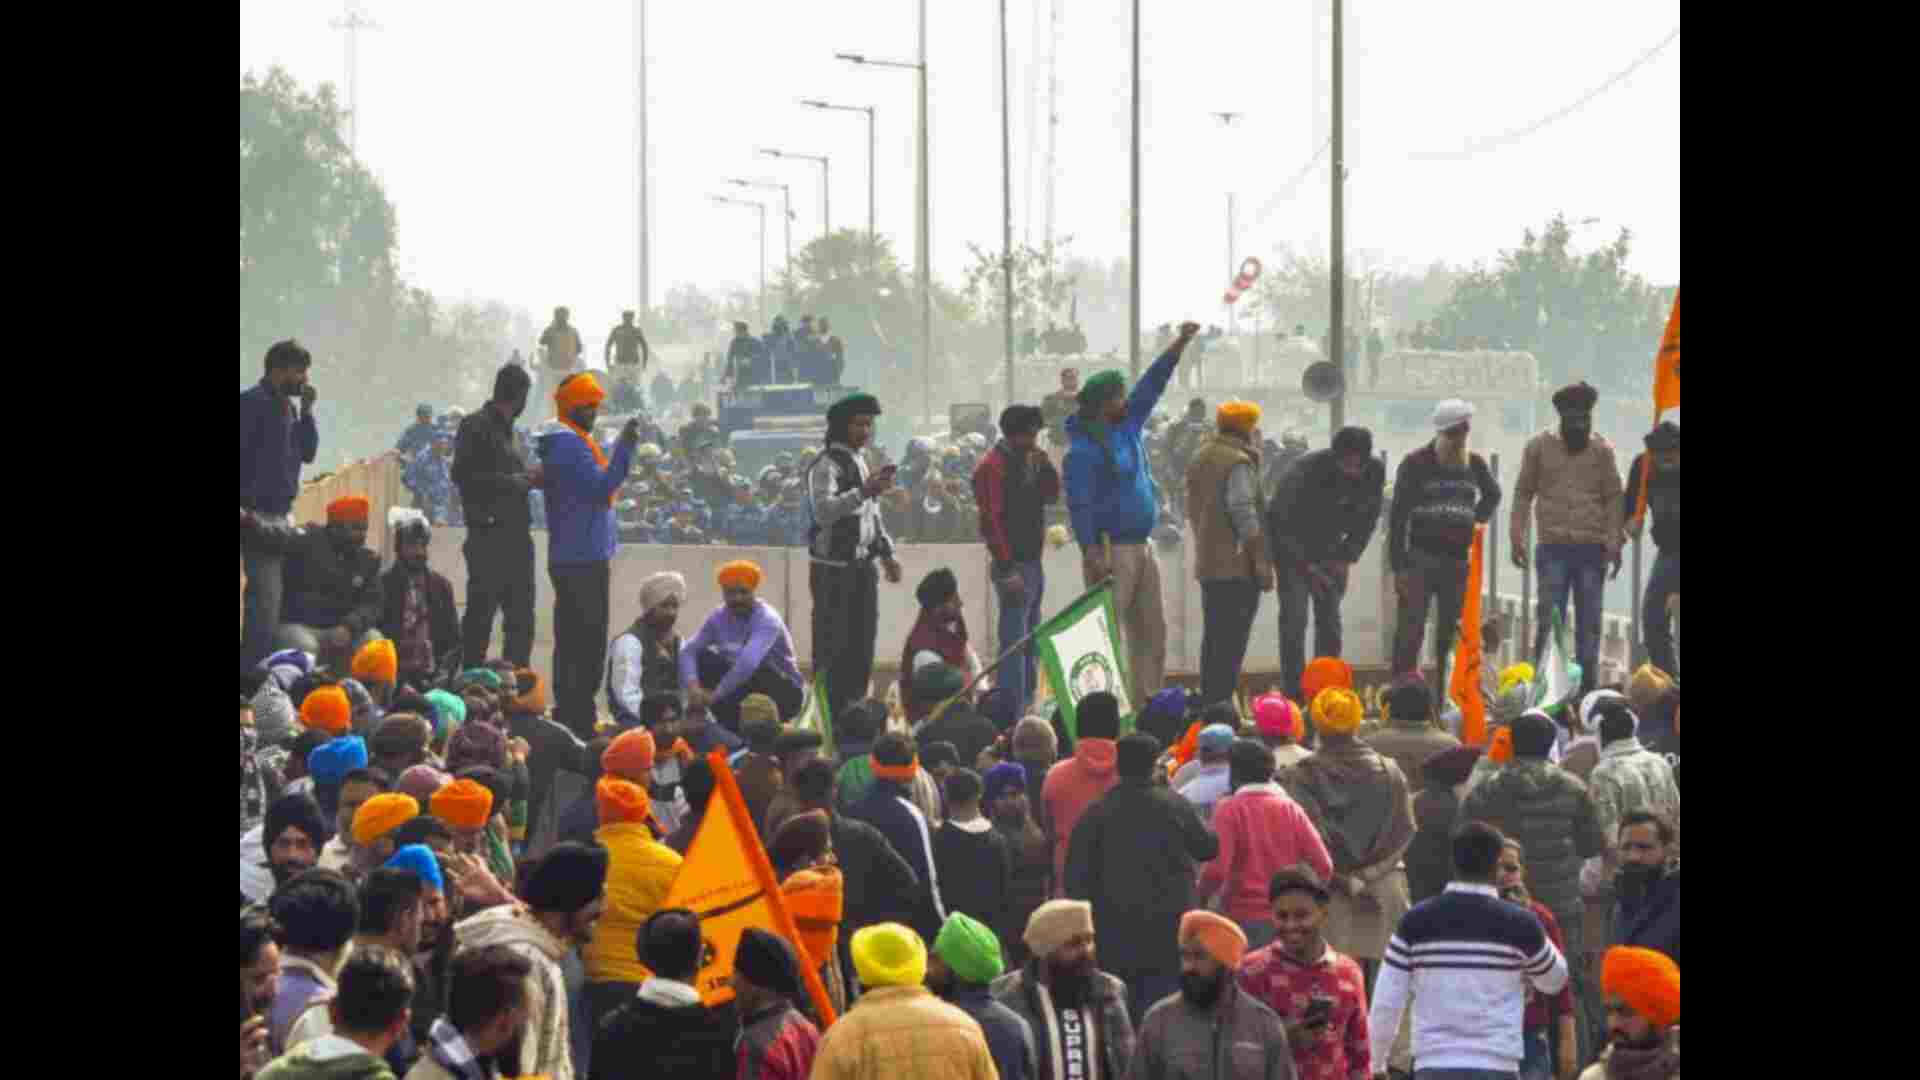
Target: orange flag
727	881
1666	395
1666	365
1464	687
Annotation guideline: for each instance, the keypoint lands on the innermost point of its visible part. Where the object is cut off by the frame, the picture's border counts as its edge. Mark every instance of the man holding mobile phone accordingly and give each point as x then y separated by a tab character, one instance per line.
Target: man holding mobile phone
845	537
1329	1035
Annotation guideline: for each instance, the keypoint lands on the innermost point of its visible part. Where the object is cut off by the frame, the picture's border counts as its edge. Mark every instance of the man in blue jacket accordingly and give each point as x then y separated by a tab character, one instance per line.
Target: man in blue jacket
275	441
580	485
1112	499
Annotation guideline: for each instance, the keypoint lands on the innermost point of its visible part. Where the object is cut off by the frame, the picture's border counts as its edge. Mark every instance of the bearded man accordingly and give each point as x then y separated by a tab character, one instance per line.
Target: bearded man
1441	493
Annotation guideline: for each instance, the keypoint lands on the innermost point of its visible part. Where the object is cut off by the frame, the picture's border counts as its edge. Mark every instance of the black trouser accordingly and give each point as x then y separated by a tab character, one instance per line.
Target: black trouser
1430	579
1228	607
499	577
846	616
710	666
581	611
1296	590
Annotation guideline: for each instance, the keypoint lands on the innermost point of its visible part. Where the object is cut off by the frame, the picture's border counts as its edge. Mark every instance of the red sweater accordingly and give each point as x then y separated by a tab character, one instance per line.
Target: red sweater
1262	832
1071	787
1012	501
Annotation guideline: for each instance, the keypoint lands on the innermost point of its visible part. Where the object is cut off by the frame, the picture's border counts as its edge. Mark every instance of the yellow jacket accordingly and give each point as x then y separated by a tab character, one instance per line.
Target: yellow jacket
639	873
903	1033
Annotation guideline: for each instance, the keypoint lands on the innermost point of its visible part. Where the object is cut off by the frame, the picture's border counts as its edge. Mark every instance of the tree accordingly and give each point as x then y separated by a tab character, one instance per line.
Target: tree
317	262
856	282
1581	315
1041	287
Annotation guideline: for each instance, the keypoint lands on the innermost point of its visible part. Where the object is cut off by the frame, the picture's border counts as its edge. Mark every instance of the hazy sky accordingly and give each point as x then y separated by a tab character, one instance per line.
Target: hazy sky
505	133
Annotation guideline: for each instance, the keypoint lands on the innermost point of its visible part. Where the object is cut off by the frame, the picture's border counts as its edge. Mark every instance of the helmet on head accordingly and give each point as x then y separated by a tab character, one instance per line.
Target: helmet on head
647	452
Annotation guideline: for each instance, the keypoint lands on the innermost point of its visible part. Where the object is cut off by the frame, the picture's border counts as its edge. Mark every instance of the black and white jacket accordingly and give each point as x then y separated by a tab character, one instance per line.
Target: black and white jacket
1466	956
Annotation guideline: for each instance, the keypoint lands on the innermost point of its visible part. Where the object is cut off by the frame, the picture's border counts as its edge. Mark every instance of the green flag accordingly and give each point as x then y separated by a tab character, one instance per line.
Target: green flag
816	714
1079	650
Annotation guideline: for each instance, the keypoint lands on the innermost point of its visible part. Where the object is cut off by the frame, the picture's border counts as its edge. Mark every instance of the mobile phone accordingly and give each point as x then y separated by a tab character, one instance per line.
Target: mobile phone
1318	1011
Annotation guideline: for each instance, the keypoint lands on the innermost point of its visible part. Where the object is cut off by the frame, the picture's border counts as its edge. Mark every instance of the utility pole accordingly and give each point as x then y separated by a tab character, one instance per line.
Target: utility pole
1233	266
1006	199
1053	124
1337	332
1133	214
640	62
924	256
353	23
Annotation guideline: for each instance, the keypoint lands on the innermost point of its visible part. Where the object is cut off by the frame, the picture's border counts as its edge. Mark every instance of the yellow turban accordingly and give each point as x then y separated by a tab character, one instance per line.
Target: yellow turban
377	662
1238	415
889	954
1516	673
1337	711
580	392
328	709
463	804
349	508
1648	980
381	815
1223	940
740	574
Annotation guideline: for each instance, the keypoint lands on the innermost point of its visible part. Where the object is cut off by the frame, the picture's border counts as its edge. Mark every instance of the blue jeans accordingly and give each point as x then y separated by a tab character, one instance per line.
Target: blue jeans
265	593
1538	1064
1019	614
1579	570
1656	626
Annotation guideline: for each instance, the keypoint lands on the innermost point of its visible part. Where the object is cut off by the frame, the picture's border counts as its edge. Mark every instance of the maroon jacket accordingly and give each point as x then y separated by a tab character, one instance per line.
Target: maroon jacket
443	624
929	633
1012	498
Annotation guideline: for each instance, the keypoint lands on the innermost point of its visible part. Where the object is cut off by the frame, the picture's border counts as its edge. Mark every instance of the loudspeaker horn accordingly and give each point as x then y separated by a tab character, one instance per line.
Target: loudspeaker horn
1322	382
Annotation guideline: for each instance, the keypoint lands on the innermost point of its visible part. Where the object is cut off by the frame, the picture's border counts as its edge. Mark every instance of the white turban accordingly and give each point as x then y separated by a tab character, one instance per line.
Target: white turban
1450	412
658	588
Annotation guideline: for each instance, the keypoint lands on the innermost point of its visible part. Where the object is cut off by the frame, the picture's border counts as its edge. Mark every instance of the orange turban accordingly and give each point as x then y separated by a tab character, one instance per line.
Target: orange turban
1325	671
349	508
327	709
580	392
621	801
463	804
630	756
377	662
1337	711
1217	934
1648	980
1238	415
381	815
533	701
817	900
740	574
1188	745
1500	750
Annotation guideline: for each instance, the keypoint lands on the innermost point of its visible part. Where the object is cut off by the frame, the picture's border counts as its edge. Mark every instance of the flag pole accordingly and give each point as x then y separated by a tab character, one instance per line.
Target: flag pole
1104	583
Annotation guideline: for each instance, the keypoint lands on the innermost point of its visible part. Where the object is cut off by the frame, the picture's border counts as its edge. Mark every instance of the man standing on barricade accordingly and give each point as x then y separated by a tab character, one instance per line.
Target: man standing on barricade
494	482
844	537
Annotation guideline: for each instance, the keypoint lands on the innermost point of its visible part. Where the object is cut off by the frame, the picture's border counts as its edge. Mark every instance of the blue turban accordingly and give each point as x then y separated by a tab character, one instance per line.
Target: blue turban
999	779
331	761
419	859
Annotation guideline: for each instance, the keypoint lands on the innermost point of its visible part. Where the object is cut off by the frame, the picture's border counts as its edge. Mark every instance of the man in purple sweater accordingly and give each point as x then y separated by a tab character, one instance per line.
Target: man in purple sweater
743	648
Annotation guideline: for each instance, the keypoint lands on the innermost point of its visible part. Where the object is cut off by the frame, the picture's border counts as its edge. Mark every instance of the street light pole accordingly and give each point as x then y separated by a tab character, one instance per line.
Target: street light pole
826	205
868	109
1133	216
1006	202
786	205
1337	332
762	208
922	258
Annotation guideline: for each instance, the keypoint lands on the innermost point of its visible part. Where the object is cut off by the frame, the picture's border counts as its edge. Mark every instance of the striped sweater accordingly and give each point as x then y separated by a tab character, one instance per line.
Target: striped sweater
1466	956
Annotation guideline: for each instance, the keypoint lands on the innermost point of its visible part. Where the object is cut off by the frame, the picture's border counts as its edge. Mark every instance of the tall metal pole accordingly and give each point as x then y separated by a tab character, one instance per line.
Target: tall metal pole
1006	201
353	22
826	197
640	53
924	257
1133	214
870	187
1337	332
763	262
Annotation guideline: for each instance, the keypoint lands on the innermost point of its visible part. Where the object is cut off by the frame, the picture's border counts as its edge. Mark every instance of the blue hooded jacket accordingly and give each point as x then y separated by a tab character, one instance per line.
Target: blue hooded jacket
1111	489
580	524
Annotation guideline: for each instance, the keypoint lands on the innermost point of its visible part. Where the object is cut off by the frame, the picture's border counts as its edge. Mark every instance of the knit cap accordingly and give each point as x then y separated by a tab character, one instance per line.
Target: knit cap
970	949
1101	386
767	959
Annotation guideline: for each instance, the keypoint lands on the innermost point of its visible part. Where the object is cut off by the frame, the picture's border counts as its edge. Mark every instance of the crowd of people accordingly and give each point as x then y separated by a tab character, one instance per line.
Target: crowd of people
454	865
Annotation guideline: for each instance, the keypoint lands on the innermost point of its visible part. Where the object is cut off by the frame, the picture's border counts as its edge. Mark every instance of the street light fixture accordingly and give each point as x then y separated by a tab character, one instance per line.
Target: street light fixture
826	204
762	208
923	259
786	198
869	110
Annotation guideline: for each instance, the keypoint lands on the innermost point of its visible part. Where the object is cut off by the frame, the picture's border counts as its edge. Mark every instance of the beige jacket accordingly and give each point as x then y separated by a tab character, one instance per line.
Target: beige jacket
1579	494
904	1033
